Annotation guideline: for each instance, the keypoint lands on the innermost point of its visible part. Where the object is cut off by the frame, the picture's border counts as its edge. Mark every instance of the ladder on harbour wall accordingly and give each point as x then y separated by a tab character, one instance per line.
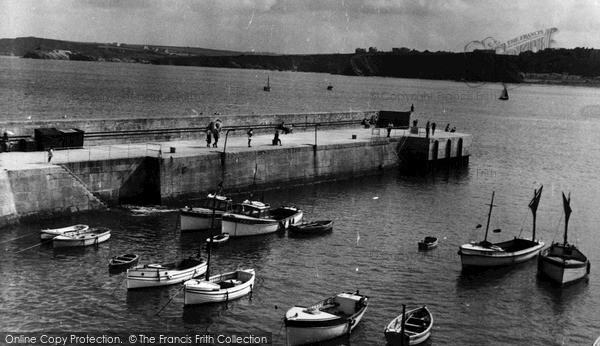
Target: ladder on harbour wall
85	187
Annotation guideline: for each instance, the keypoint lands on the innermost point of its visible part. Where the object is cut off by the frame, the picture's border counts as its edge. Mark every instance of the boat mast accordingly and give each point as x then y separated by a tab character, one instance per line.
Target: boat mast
210	243
403	321
533	205
566	205
487	227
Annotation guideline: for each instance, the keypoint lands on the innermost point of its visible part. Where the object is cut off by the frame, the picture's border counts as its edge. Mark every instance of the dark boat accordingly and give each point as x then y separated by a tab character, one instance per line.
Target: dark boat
330	87
313	227
122	262
504	95
428	243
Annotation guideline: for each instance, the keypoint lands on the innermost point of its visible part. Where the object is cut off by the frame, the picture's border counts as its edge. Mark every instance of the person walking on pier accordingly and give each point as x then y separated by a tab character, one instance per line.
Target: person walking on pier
249	137
50	154
276	139
447	128
427	130
432	129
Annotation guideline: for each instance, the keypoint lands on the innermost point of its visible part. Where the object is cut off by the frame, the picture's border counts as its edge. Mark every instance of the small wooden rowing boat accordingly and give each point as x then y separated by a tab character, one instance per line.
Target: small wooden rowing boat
410	328
428	243
92	236
218	288
155	275
313	227
219	238
122	262
328	319
47	234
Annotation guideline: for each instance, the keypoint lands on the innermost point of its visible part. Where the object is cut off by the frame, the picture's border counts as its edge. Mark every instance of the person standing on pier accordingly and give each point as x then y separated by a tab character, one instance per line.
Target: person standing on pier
412	107
249	137
447	128
276	139
427	130
432	129
50	154
208	137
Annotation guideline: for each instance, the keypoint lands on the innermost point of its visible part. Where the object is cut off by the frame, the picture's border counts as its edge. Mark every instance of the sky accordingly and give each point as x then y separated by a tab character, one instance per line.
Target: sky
302	26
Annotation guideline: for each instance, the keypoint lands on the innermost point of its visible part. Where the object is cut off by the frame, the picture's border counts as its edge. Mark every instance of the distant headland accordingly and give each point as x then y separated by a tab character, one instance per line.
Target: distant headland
578	66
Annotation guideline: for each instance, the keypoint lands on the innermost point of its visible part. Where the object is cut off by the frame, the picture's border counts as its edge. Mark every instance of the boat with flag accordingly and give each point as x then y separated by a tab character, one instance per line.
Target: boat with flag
487	254
564	263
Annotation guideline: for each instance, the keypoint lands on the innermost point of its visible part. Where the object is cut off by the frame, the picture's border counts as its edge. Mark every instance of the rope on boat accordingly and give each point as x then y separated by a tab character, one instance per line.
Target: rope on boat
176	293
23	236
119	284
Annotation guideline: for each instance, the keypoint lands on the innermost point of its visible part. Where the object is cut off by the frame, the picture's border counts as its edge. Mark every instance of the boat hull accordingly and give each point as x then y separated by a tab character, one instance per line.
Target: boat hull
563	271
80	240
472	255
194	293
312	228
149	276
303	336
199	220
240	225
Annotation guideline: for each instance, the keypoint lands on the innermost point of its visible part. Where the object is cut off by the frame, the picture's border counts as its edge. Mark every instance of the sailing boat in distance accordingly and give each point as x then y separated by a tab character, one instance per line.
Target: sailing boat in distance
268	86
564	263
486	254
504	94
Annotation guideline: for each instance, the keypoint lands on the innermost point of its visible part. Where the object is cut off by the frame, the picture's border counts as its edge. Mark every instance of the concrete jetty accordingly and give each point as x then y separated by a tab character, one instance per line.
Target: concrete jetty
92	177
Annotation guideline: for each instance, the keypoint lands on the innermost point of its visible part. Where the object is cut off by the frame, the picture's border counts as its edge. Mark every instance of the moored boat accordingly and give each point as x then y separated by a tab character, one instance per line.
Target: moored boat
268	86
504	94
253	218
201	217
564	263
122	262
412	327
517	250
312	227
47	234
92	236
219	238
428	242
597	342
219	288
155	275
328	319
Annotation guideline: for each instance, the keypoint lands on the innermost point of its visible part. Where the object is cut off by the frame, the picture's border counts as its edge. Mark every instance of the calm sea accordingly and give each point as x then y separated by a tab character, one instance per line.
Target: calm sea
543	135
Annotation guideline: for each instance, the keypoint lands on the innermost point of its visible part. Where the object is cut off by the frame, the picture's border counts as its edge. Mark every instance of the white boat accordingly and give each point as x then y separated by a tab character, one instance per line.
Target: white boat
92	236
517	250
155	275
410	328
200	217
218	239
597	342
328	319
219	288
253	218
564	263
47	234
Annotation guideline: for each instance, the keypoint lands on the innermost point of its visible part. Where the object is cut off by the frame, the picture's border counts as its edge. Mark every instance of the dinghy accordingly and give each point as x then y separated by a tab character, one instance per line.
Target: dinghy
219	238
313	227
564	263
410	328
92	236
122	262
428	243
155	275
328	319
47	234
219	288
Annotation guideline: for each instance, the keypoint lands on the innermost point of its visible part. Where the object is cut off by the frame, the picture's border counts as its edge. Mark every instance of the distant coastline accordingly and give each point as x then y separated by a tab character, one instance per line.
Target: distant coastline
578	66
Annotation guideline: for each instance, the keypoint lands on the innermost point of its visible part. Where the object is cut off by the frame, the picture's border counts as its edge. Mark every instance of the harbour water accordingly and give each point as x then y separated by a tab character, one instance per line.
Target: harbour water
543	135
